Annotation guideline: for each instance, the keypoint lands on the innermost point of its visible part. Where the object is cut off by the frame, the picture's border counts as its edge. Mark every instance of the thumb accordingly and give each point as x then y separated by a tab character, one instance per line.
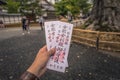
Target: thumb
51	52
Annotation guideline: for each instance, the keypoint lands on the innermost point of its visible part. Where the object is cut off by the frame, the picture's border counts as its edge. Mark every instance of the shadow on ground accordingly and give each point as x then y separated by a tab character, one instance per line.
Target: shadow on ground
85	63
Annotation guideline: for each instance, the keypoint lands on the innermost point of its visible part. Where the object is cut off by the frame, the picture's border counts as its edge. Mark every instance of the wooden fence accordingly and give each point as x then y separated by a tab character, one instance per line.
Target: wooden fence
100	40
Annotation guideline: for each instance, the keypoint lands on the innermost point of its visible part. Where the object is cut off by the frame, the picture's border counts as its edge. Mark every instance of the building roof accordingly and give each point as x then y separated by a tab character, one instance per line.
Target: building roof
46	5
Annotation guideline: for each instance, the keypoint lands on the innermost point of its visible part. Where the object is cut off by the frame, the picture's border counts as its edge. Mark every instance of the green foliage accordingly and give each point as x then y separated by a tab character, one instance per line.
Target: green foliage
73	6
84	6
61	8
30	7
12	6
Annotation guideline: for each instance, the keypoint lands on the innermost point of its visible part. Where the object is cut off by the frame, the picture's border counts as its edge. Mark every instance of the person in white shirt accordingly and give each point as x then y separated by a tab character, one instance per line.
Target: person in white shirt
41	22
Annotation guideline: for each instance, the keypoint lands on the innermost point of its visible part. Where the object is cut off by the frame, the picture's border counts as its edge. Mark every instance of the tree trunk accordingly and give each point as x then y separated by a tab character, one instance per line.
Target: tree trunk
105	15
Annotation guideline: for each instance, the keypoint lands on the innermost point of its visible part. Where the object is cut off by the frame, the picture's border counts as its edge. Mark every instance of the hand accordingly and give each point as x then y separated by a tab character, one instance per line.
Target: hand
38	67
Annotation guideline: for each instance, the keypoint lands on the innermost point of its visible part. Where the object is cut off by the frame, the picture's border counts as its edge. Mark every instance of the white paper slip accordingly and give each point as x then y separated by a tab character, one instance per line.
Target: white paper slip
58	35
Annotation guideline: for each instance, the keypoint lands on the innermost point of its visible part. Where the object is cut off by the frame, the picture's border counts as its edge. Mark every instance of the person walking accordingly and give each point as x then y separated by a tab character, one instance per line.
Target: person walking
41	22
2	24
27	23
24	25
69	17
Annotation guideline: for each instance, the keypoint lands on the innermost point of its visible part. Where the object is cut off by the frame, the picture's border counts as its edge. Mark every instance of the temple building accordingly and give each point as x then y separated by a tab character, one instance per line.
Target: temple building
48	9
53	1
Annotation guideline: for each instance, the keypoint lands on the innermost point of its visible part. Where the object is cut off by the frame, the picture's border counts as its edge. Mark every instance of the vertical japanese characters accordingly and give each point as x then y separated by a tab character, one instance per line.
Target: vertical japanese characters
58	35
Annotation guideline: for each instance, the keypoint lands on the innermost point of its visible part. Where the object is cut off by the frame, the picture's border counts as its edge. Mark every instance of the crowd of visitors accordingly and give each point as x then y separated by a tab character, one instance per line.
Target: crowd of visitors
26	24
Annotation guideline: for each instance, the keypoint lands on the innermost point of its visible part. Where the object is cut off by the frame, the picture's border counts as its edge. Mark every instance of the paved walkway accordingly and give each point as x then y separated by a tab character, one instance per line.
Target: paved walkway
17	52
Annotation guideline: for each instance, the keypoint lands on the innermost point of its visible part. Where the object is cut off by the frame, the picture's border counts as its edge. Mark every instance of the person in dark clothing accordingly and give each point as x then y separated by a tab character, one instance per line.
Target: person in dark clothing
23	25
1	24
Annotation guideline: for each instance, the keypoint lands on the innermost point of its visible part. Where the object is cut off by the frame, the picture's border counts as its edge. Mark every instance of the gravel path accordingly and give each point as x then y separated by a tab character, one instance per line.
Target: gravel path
17	52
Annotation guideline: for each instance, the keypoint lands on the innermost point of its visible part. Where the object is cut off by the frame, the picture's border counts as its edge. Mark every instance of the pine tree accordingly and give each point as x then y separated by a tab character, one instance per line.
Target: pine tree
30	8
105	15
12	6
